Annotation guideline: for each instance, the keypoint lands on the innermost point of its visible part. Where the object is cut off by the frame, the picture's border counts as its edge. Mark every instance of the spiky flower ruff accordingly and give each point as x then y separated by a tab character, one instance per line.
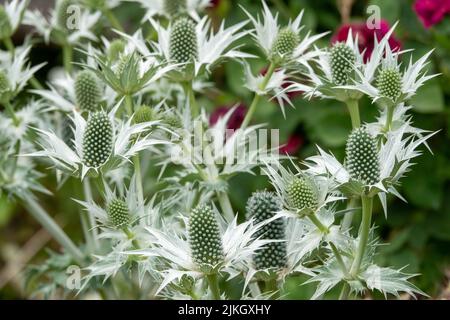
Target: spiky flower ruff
119	214
174	7
144	114
87	91
262	206
63	13
362	157
342	60
183	45
204	238
301	194
5	24
97	140
389	83
285	43
67	132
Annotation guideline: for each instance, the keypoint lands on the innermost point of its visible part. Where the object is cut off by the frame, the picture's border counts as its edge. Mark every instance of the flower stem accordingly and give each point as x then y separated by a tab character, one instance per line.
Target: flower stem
256	98
9	45
271	286
225	205
67	57
115	23
353	109
348	217
11	112
189	92
344	292
339	259
50	225
213	283
367	204
389	117
317	223
91	220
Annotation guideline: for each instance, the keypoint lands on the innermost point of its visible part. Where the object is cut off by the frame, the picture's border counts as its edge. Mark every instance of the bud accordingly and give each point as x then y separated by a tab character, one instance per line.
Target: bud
342	60
285	43
173	121
301	194
5	25
87	91
97	140
389	83
174	7
204	238
116	48
118	213
362	157
62	13
144	114
262	206
183	46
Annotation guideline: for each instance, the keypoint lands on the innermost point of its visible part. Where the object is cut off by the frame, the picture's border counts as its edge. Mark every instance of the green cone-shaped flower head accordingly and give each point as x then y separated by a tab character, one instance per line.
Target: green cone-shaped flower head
119	214
63	13
5	25
342	60
116	48
204	238
362	157
87	91
97	140
183	45
261	206
144	114
389	83
175	7
302	194
285	43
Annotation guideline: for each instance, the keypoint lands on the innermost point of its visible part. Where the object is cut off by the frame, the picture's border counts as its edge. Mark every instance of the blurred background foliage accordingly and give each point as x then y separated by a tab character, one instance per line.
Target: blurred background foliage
418	232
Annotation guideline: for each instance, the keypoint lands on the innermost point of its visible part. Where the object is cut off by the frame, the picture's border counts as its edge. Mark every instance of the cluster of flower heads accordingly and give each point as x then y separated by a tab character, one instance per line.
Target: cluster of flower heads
129	106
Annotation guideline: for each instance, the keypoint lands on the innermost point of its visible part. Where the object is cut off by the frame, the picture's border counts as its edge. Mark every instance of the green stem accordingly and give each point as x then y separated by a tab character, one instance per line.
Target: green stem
67	57
353	109
112	19
256	98
339	259
389	117
189	91
348	217
225	205
9	45
213	283
36	84
11	112
367	204
50	225
271	286
344	292
317	223
91	220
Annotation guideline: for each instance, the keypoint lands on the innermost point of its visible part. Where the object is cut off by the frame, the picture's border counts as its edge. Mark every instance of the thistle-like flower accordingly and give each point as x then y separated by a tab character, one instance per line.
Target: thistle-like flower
11	15
101	143
88	92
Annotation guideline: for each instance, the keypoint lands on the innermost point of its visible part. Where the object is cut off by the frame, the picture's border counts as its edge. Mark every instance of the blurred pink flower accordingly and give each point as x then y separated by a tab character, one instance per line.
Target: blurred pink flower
236	118
214	3
431	12
293	145
366	36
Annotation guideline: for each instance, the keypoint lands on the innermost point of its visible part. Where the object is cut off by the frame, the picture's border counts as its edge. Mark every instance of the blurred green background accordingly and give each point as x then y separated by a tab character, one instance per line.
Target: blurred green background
418	232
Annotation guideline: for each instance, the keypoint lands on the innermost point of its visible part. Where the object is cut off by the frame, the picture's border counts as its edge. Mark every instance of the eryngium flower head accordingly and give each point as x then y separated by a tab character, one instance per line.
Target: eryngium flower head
116	48
5	24
119	214
362	157
342	59
301	194
389	83
97	140
262	206
87	91
183	45
205	239
285	43
63	13
144	114
174	7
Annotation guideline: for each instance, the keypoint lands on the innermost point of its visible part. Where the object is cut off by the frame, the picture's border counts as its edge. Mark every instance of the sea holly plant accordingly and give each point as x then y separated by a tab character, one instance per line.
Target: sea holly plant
126	126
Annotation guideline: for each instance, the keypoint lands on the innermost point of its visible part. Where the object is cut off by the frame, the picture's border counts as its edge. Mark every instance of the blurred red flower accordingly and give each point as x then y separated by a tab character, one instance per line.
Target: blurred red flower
366	36
293	145
236	118
431	12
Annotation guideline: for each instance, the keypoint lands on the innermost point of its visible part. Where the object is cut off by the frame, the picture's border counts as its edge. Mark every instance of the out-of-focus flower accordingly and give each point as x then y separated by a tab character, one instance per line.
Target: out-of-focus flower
236	118
366	36
431	12
293	145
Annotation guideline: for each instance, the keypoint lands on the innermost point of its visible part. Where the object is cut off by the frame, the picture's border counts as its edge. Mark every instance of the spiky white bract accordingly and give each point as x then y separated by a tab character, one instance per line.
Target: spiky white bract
159	7
212	47
123	146
274	39
14	11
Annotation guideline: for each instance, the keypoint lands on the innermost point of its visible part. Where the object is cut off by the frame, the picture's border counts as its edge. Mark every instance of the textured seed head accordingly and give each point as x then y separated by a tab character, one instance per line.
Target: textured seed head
97	140
342	59
63	13
5	24
285	42
389	83
204	237
144	114
67	132
362	157
4	82
301	194
183	45
116	47
118	212
87	91
173	121
174	7
261	206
